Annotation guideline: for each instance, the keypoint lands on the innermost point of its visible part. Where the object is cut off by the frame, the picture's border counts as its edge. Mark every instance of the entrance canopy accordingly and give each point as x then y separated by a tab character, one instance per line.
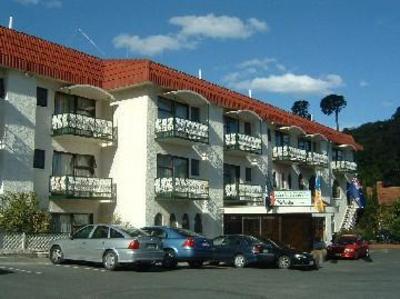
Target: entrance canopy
246	115
87	91
187	96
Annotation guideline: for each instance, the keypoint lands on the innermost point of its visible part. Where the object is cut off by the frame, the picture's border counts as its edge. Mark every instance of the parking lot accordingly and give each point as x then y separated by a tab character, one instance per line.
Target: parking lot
24	277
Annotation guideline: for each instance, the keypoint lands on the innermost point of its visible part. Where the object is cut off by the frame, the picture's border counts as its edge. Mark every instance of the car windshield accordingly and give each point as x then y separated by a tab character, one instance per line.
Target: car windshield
187	233
277	244
134	232
346	240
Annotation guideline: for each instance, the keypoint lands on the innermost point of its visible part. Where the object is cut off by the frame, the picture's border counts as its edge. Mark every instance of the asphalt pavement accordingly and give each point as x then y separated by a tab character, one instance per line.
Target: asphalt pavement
378	277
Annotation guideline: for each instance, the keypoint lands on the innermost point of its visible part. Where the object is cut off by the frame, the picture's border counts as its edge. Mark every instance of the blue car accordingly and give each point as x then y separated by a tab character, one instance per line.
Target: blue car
182	245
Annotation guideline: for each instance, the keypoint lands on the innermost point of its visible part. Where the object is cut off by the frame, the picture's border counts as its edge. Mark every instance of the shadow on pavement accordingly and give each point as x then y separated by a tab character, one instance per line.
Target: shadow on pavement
4	271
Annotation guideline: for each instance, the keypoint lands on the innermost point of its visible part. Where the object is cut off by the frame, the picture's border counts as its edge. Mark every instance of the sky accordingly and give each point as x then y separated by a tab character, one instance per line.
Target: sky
282	50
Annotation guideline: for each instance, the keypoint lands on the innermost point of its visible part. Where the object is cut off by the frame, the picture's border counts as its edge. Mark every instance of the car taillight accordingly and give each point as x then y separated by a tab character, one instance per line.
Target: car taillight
257	249
134	244
189	242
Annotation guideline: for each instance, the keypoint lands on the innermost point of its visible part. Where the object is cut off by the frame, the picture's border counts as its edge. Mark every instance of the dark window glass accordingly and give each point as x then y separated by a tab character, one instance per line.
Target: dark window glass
64	103
158	219
195	167
165	109
181	111
269	135
73	164
304	144
2	89
101	232
83	233
281	139
198	226
172	220
195	114
231	174
185	221
155	232
274	180
231	125
247	128
38	159
181	167
301	182
290	181
248	174
41	96
115	235
170	166
85	106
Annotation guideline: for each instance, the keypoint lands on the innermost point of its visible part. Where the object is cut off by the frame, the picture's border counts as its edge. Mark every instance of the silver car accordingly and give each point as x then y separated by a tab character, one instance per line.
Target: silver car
112	245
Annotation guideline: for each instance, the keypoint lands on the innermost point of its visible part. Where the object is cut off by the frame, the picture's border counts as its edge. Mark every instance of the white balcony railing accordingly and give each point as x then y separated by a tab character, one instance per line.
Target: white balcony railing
243	142
344	166
289	153
81	125
183	128
243	192
185	188
314	158
83	187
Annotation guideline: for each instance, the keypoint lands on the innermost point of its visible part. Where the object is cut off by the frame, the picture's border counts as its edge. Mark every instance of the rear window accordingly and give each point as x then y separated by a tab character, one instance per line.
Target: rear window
134	232
187	233
347	240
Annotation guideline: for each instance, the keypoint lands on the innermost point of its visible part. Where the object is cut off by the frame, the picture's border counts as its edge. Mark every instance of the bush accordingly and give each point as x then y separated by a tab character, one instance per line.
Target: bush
20	212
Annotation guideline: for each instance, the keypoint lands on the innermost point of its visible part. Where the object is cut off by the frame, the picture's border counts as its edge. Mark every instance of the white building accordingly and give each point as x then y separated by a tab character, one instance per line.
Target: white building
99	139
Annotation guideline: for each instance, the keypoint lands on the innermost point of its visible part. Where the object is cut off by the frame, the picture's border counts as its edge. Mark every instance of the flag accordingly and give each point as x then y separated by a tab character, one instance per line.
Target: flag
318	203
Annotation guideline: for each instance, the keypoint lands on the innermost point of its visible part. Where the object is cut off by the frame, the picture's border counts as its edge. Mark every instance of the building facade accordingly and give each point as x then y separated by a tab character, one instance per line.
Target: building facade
135	141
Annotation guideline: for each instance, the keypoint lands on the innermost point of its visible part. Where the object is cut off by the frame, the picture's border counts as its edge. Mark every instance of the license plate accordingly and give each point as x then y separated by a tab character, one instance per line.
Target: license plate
205	244
151	246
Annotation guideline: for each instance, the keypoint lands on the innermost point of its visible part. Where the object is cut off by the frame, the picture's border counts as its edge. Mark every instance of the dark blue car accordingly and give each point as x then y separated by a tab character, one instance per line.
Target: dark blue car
182	245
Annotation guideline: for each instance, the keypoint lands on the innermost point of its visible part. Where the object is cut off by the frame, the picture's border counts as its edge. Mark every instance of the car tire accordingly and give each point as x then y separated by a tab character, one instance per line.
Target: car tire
239	261
195	264
169	261
284	262
56	255
110	260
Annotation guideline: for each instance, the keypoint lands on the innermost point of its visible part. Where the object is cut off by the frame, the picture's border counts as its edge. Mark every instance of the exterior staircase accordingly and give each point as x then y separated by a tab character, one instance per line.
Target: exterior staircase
350	217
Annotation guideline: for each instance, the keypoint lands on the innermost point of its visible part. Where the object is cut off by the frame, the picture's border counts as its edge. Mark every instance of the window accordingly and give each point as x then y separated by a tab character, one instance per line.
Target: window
83	233
185	221
248	174
172	220
168	108
231	125
195	114
274	180
283	181
301	182
65	103
290	181
66	223
337	155
115	235
170	166
39	159
158	219
195	167
281	139
198	226
101	232
155	232
73	164
2	89
269	135
336	189
41	96
231	174
247	128
304	144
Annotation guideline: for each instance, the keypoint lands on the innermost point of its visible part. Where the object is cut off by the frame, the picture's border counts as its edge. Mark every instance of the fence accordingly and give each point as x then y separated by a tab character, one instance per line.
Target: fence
20	242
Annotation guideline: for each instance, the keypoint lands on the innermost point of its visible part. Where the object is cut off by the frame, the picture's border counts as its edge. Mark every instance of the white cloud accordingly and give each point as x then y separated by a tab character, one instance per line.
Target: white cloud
257	63
290	83
151	45
223	27
47	3
363	83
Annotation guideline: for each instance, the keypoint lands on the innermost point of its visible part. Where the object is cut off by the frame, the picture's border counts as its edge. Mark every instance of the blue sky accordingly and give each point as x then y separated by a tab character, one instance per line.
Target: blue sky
283	50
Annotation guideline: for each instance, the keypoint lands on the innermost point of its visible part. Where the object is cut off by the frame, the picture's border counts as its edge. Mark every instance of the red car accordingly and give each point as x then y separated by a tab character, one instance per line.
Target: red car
349	247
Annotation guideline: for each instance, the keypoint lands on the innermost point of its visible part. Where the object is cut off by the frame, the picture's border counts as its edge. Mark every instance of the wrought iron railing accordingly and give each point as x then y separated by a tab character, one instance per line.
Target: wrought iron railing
82	125
345	166
182	128
318	159
289	153
81	187
243	142
181	188
246	192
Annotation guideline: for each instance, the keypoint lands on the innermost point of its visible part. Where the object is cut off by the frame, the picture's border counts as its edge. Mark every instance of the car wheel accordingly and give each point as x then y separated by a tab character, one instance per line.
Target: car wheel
284	262
195	264
239	261
56	255
110	260
169	261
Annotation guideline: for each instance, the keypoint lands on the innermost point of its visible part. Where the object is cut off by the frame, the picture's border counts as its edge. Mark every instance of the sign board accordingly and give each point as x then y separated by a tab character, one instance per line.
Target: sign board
293	198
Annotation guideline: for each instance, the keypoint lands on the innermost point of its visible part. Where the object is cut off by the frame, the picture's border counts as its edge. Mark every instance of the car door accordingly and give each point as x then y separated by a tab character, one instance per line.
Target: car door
269	253
226	248
95	245
75	246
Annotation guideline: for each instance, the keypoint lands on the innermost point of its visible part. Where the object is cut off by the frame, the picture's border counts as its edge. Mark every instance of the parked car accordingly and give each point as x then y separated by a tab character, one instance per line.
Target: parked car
349	246
110	245
182	245
243	250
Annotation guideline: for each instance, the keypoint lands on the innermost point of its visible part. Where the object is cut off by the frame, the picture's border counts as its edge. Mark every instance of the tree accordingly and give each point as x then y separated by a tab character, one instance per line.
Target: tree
396	115
20	212
300	108
333	103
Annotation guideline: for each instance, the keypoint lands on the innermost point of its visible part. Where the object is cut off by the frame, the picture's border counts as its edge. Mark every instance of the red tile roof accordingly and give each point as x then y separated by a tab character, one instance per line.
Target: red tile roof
31	54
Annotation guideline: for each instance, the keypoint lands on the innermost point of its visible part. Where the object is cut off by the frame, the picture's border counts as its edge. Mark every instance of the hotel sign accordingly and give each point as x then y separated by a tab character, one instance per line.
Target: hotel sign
292	198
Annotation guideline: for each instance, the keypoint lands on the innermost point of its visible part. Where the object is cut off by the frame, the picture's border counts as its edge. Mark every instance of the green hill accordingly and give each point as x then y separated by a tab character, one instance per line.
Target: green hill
380	160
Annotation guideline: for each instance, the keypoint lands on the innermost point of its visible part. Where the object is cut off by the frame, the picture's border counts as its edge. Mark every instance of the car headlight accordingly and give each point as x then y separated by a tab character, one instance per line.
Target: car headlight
299	256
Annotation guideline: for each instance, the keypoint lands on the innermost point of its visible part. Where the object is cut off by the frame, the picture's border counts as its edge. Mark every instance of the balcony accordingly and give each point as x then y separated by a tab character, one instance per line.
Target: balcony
180	188
242	142
181	128
81	187
289	153
81	125
317	159
344	166
243	192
